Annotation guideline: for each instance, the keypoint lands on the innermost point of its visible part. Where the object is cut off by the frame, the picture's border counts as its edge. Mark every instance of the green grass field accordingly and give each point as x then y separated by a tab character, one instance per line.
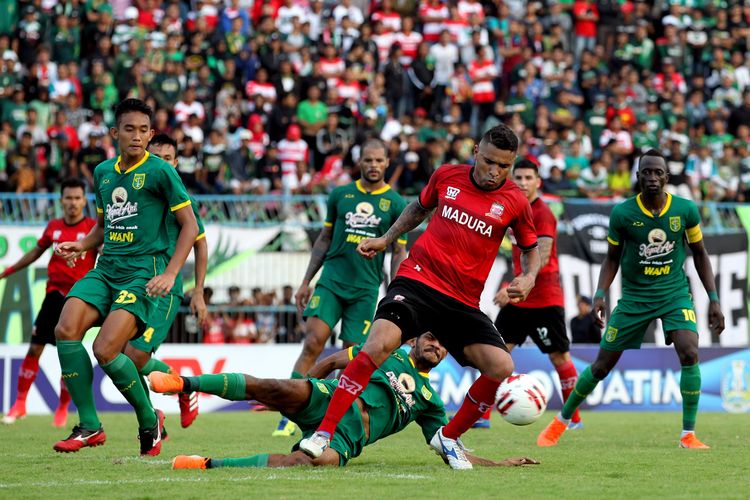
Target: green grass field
617	455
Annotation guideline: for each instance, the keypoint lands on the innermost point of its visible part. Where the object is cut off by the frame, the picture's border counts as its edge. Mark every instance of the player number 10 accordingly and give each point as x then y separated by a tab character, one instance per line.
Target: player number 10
689	315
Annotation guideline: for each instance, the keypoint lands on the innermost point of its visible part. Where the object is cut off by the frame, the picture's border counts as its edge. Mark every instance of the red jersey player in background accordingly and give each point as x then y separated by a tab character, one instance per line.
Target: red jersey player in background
437	287
541	316
60	278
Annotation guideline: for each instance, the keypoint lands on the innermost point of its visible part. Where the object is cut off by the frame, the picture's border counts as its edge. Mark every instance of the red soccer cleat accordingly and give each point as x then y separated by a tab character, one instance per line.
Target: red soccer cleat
80	438
61	417
16	412
151	438
188	408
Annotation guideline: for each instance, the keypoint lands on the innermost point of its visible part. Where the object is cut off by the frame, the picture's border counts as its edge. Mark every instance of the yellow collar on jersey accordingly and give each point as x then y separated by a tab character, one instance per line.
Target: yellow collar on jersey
424	374
648	212
377	191
140	162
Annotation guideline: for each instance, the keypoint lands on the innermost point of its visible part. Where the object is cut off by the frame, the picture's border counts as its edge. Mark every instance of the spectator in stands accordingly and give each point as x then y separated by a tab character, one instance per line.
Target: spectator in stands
594	181
582	326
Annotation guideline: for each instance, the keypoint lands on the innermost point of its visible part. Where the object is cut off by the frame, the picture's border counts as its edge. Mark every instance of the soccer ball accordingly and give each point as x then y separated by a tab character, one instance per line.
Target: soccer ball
521	399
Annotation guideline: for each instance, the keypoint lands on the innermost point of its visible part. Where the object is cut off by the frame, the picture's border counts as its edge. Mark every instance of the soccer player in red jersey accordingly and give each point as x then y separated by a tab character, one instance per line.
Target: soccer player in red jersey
71	227
437	287
541	316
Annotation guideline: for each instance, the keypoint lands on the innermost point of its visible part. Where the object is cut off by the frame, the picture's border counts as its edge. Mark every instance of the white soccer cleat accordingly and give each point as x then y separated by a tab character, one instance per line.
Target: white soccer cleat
315	445
451	451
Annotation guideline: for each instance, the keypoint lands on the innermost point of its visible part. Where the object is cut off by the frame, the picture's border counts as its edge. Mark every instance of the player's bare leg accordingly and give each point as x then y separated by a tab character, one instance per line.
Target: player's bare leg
566	371
587	382
119	327
484	420
686	345
75	319
384	338
26	376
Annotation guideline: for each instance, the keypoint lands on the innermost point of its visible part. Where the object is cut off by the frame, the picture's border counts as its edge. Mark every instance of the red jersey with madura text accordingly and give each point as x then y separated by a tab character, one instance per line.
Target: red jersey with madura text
457	251
60	276
547	291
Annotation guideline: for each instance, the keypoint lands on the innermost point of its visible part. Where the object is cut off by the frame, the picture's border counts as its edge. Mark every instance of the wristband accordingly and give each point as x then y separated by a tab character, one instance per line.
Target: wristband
8	271
599	294
713	296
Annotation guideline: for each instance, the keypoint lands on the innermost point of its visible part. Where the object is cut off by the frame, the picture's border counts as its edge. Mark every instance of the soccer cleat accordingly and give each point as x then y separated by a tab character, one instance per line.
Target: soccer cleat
189	462
16	412
188	408
551	434
482	423
61	417
285	428
165	383
80	438
575	426
315	445
690	441
450	450
151	438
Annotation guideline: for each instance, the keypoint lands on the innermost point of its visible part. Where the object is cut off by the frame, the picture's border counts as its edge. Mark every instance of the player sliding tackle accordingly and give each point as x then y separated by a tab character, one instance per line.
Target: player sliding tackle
399	393
647	236
437	288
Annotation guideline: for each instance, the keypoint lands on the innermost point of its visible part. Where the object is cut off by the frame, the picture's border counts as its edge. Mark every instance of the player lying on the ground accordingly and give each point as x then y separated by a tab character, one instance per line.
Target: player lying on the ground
399	393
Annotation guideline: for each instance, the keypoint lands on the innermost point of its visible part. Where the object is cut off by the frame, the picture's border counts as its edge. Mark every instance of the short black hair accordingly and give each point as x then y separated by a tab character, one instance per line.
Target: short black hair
653	153
72	182
133	105
502	137
162	139
374	142
526	163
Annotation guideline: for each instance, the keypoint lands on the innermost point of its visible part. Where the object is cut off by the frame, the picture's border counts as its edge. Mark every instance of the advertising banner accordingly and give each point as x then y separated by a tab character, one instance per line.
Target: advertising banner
644	380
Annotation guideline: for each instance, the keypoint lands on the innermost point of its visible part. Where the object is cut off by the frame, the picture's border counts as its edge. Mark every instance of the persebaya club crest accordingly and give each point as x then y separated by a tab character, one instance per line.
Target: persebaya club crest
675	224
139	180
384	204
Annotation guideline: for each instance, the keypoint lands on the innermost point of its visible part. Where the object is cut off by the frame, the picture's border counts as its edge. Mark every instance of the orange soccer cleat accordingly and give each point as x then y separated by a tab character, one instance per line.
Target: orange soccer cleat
165	383
551	434
690	441
189	462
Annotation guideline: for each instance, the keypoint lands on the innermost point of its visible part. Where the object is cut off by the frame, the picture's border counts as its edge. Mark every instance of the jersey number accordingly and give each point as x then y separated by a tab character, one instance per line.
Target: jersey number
367	327
125	297
689	315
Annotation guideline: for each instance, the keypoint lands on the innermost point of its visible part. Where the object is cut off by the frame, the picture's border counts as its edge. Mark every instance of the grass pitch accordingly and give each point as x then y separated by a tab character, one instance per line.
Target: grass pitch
617	455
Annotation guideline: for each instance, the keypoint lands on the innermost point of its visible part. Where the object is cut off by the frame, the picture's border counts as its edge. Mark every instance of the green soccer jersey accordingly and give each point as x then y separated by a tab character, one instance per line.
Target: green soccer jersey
399	394
173	229
653	247
354	215
136	204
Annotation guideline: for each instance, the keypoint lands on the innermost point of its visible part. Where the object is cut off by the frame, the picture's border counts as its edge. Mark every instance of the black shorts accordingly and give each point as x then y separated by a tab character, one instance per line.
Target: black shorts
46	320
416	308
545	326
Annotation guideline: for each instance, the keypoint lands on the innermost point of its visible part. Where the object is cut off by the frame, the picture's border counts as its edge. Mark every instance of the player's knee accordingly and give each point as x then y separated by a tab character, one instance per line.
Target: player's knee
65	331
103	352
688	356
599	370
313	345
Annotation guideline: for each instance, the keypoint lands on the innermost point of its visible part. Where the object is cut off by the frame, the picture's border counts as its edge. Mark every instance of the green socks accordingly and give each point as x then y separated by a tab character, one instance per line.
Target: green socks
229	386
690	388
297	376
79	378
253	461
155	365
585	386
125	376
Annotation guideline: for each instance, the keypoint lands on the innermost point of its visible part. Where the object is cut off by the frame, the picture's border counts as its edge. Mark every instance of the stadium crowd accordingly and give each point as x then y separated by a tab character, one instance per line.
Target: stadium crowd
275	95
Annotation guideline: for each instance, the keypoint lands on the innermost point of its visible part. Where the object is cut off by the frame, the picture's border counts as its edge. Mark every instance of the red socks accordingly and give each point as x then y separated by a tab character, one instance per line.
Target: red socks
478	400
26	376
64	395
568	377
352	382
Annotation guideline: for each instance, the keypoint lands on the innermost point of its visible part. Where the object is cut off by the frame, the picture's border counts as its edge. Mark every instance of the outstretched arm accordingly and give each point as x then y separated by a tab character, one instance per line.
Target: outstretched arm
705	272
29	257
323	368
412	216
508	462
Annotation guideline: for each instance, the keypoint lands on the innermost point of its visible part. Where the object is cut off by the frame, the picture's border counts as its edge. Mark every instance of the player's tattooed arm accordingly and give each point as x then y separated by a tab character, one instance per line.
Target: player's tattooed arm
545	249
706	274
317	256
412	216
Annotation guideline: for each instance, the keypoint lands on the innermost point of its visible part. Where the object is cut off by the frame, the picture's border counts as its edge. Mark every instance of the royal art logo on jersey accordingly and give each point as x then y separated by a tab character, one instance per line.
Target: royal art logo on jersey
363	217
121	208
452	193
467	220
658	245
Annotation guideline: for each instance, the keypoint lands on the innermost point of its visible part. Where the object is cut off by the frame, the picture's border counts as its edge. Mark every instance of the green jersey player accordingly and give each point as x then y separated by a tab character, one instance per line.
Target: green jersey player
647	237
399	393
135	193
140	350
348	286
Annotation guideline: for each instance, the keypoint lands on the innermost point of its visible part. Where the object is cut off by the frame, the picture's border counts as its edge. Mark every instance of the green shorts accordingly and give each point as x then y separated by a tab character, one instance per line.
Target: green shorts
630	319
349	439
355	307
119	282
158	325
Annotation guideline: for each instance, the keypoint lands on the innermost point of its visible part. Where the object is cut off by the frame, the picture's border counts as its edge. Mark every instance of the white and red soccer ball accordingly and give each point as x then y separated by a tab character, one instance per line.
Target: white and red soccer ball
521	399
